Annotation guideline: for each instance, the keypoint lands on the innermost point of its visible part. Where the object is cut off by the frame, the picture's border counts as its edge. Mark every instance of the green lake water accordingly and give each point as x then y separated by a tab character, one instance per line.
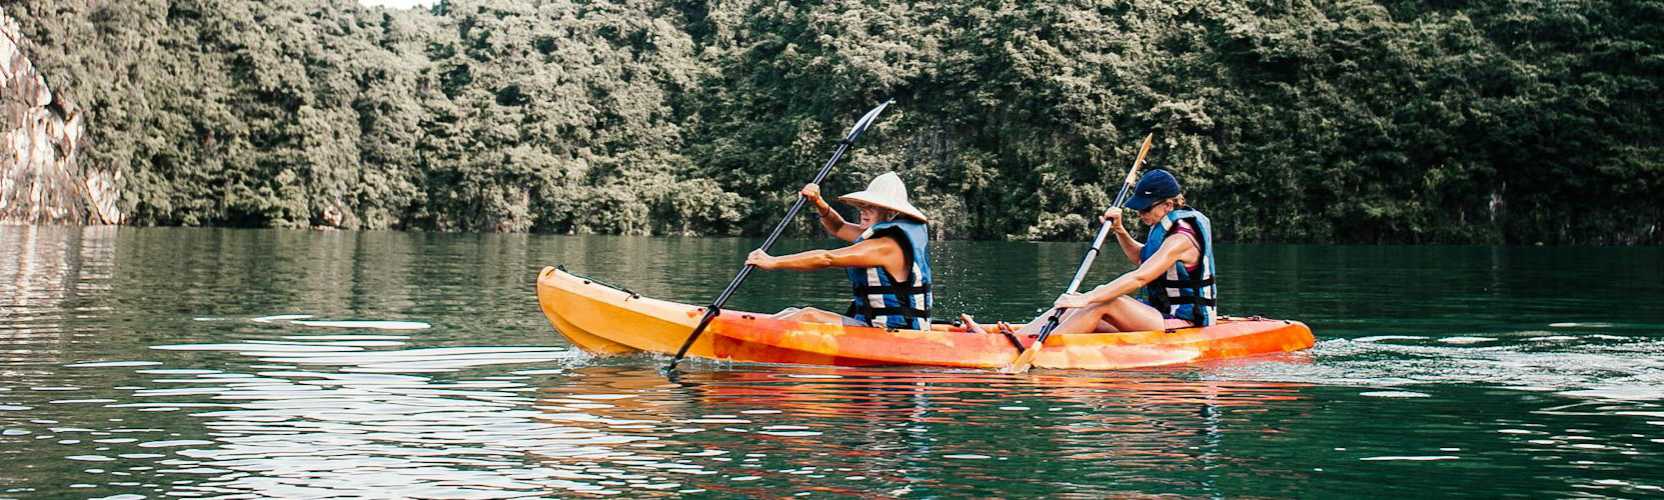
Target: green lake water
167	363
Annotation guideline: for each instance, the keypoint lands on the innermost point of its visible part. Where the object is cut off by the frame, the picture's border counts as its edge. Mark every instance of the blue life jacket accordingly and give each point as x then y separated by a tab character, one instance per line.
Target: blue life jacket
1180	293
882	300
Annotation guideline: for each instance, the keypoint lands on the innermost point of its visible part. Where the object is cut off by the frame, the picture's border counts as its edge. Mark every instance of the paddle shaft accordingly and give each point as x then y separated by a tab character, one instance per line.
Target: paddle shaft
715	307
1085	265
1027	356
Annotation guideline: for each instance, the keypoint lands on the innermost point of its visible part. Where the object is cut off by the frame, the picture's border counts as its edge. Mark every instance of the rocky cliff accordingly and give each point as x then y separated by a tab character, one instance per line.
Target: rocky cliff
42	135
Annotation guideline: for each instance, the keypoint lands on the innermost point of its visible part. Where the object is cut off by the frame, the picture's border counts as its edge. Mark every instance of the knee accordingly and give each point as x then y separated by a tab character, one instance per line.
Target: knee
812	315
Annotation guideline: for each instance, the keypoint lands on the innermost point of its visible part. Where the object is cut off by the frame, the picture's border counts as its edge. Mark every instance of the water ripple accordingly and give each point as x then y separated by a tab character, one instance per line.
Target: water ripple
228	363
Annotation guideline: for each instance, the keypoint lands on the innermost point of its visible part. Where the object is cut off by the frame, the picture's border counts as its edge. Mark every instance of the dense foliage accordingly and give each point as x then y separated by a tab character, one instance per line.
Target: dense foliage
1346	121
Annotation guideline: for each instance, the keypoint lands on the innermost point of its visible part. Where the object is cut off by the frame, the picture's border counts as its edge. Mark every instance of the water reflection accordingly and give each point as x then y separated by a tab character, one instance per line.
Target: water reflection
44	274
582	429
834	430
296	364
368	424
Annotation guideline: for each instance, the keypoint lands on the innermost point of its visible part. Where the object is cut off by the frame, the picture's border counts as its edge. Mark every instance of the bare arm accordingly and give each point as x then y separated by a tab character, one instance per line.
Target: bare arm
830	219
1173	250
1129	247
876	252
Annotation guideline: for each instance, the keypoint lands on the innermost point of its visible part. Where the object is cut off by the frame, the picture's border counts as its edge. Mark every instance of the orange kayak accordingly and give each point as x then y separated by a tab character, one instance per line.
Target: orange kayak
605	320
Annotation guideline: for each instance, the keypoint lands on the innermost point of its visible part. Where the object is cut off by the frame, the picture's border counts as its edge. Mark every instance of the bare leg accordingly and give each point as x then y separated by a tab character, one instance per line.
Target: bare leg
1034	326
1085	319
809	315
1127	314
1124	314
1072	320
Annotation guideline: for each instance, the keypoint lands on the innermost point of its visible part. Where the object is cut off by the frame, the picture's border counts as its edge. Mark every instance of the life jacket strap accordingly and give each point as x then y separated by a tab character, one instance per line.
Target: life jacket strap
1186	300
1198	283
873	312
897	290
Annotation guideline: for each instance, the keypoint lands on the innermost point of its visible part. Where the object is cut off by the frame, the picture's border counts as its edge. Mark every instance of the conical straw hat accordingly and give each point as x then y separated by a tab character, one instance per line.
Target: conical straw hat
886	191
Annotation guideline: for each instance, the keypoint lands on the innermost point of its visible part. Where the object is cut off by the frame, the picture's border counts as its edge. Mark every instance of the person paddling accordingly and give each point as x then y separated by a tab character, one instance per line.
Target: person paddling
888	259
1175	269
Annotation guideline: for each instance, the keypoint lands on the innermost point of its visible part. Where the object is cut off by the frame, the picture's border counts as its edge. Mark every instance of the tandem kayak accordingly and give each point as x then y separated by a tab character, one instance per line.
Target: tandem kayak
607	320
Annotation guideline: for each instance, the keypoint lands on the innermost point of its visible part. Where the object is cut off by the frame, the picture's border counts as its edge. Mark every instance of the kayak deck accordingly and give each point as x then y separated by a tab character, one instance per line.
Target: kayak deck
605	320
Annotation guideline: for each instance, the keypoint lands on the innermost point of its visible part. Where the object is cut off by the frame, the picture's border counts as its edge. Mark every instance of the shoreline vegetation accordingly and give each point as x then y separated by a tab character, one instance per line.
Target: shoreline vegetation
1490	122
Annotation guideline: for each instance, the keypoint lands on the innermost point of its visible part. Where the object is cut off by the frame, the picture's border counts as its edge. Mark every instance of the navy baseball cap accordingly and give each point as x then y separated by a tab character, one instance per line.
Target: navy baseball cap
1155	186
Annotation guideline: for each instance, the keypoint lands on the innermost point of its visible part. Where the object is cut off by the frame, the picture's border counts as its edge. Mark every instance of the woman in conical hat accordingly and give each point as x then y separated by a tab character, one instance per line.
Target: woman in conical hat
888	259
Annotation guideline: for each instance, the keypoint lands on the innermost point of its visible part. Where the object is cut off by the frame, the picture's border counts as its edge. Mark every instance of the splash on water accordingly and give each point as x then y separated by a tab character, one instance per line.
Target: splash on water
1393	394
377	325
304	320
105	364
280	317
1596	366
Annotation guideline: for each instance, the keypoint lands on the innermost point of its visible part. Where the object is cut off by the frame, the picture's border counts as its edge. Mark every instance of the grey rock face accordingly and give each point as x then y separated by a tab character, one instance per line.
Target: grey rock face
42	135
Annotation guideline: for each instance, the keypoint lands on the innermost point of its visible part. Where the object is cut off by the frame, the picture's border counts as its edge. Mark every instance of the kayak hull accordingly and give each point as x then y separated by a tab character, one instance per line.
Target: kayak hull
605	320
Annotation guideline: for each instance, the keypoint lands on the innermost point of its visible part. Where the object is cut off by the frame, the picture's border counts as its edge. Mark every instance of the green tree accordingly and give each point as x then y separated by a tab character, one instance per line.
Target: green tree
1482	121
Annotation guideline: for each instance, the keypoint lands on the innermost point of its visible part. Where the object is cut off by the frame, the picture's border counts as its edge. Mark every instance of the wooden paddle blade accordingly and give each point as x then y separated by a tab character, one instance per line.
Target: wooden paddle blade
1024	360
1143	150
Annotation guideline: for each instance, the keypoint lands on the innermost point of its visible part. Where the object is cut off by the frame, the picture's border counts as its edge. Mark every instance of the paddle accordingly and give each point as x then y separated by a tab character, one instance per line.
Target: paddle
1024	360
716	306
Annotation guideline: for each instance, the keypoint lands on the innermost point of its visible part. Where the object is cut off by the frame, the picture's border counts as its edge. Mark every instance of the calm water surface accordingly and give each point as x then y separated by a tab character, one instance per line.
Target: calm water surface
210	363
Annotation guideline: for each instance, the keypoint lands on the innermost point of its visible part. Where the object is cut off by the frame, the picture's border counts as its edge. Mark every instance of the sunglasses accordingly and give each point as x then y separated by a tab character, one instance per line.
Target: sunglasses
1152	207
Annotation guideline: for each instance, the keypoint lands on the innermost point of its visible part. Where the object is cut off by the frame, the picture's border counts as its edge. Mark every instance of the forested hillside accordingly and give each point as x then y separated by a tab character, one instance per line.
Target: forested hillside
1485	121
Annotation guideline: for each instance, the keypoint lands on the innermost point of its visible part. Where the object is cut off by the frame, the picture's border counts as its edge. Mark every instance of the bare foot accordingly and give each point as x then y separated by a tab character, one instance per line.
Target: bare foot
1005	327
971	325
